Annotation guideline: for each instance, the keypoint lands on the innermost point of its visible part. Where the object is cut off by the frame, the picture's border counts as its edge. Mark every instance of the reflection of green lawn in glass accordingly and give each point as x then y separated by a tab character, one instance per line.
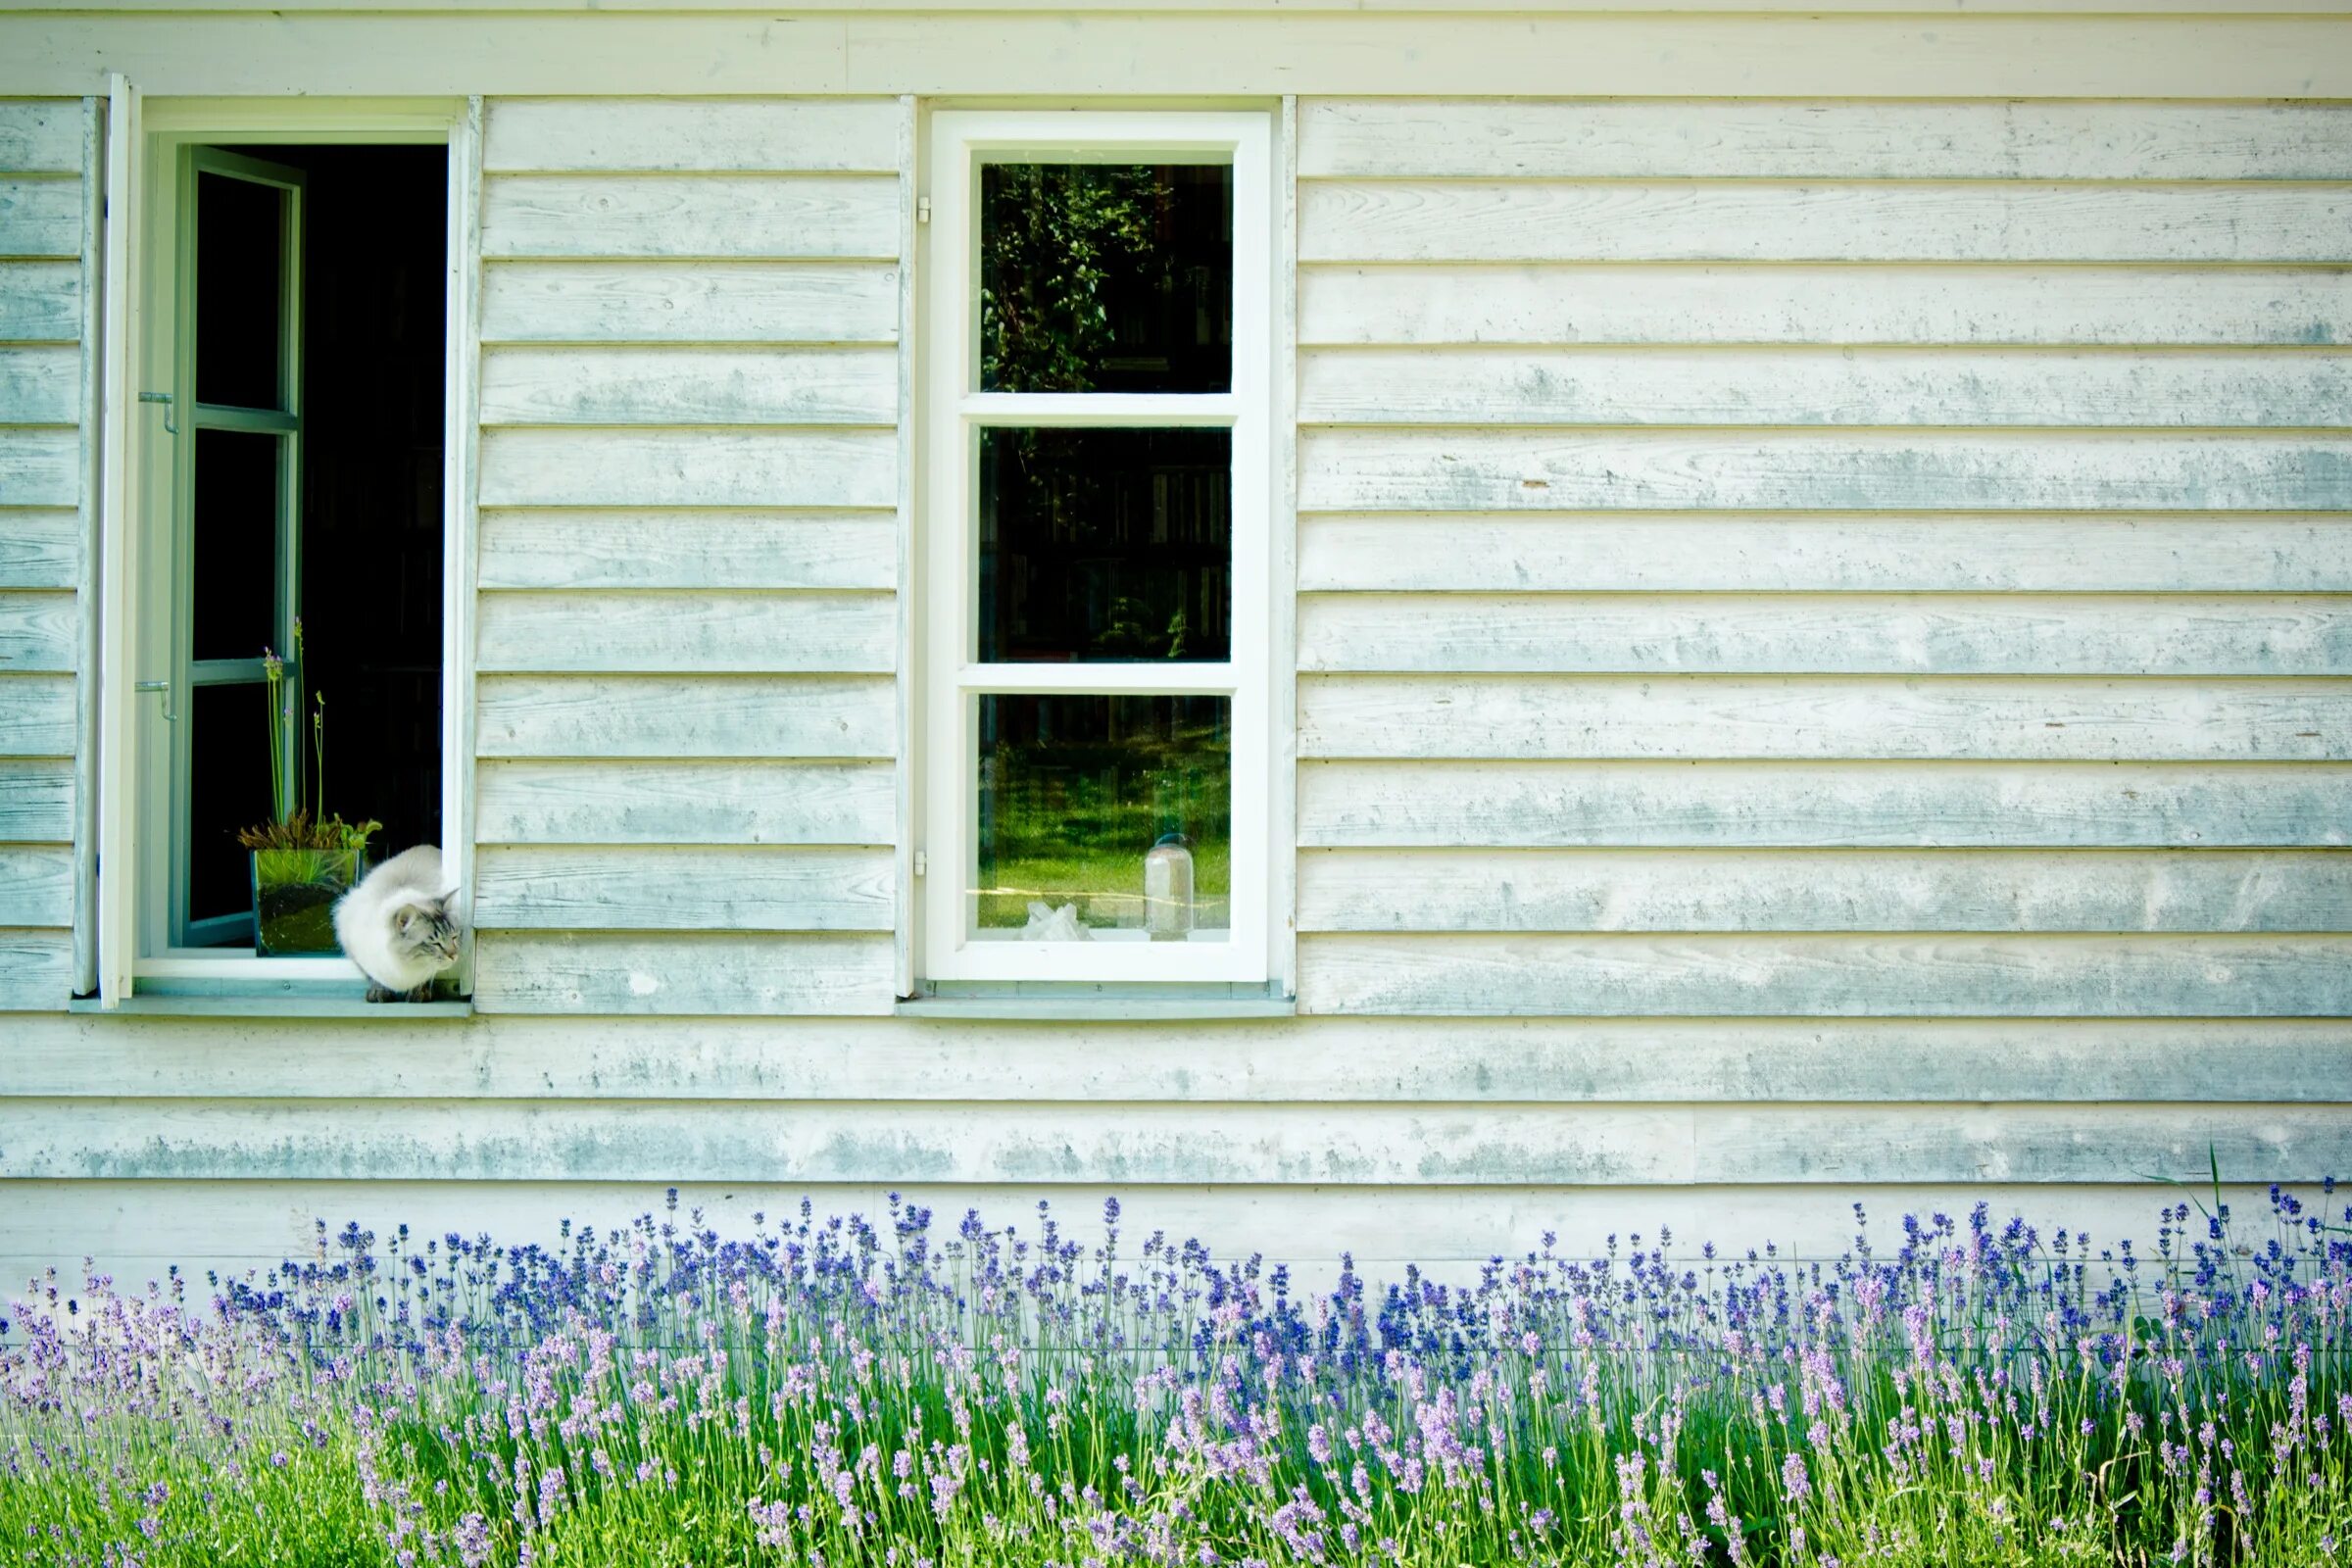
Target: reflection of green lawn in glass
1078	792
1107	887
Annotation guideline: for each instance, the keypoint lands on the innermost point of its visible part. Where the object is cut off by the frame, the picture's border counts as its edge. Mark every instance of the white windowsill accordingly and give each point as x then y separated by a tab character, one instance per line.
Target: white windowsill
232	1005
229	986
1078	1002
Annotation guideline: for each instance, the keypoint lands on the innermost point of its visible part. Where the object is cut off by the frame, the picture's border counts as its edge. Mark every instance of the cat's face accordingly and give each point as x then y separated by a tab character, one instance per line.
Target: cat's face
426	929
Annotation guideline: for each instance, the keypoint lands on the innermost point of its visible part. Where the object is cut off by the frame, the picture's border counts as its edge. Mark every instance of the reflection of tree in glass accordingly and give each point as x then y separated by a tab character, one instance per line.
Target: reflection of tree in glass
1058	243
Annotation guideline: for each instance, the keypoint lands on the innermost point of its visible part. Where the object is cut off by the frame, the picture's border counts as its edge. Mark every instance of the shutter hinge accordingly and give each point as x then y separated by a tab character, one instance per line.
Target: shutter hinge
922	863
922	209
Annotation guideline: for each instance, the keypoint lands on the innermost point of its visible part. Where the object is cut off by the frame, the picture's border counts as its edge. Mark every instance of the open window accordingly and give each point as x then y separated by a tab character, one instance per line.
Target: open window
287	535
1098	604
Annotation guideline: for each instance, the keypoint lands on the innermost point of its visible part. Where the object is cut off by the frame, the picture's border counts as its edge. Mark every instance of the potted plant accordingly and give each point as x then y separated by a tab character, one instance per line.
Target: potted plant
302	858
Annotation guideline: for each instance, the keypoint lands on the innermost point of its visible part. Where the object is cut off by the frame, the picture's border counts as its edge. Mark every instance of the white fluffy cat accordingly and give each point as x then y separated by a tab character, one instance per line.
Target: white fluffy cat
398	927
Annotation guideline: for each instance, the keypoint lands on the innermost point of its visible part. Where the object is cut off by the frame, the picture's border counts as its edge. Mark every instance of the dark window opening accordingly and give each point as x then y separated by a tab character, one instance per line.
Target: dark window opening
364	531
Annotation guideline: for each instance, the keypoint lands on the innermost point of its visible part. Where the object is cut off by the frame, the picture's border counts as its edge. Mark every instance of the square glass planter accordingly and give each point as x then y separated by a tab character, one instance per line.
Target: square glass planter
294	894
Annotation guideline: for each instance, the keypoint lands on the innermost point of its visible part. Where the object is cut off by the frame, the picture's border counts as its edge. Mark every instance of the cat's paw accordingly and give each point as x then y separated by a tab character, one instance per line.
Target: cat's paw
422	992
376	993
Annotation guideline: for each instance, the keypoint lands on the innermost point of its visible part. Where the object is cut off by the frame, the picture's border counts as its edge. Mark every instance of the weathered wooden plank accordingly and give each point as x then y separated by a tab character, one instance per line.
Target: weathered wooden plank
38	633
689	468
653	1142
1815	890
2047	1144
40	218
667	889
1478	470
685	803
40	302
641	630
139	1229
36	801
41	137
40	548
1324	1060
756	302
1116	1144
826	975
1946	553
37	715
1739	221
521	549
1792	974
1631	139
1879	48
37	970
691	386
1785	386
831	135
40	385
1951	634
37	885
1984	306
651	717
1704	717
1758	804
41	467
610	217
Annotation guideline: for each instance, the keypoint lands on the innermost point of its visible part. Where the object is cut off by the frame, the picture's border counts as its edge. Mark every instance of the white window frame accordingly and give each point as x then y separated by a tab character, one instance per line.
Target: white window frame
134	832
960	142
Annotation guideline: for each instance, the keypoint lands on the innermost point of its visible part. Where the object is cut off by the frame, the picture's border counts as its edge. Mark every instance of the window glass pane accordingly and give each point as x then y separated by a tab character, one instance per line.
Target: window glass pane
1103	818
1105	545
235	589
229	789
240	256
1106	277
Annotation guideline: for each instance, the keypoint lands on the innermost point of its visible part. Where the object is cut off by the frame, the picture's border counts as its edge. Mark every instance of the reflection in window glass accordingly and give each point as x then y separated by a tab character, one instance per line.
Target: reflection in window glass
234	604
1105	545
1105	817
229	789
240	256
1106	277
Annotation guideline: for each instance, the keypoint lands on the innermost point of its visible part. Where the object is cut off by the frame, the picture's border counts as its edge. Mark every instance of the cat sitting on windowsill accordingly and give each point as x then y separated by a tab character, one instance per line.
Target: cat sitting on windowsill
398	927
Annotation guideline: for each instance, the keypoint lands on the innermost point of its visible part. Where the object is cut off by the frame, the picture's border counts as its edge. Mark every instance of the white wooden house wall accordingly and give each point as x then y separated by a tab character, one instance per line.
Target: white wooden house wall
1822	664
687	635
44	487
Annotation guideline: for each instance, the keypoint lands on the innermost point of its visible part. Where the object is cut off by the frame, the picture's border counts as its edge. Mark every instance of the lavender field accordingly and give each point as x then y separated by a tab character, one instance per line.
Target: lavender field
830	1392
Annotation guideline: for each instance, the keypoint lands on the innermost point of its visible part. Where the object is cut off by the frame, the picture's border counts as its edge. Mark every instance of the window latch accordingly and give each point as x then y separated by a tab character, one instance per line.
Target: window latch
164	686
922	863
922	209
164	397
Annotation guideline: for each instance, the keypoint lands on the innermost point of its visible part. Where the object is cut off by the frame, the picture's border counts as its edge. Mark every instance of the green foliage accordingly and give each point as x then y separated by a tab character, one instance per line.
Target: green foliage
1054	237
298	816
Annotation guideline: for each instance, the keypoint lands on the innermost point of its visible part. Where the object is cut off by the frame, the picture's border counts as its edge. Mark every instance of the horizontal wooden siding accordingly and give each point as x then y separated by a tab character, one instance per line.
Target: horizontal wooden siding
45	145
687	643
1825	561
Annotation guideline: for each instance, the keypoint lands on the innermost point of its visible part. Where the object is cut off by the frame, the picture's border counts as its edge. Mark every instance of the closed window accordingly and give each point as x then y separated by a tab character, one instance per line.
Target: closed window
1099	506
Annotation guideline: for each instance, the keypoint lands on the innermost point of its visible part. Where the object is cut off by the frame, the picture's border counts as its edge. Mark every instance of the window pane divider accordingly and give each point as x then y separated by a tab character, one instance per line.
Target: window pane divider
1105	680
228	416
1147	409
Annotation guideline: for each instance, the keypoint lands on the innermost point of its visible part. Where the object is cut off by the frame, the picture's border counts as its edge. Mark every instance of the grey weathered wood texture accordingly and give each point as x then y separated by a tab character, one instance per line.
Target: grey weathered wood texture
1824	559
43	483
1824	663
686	632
